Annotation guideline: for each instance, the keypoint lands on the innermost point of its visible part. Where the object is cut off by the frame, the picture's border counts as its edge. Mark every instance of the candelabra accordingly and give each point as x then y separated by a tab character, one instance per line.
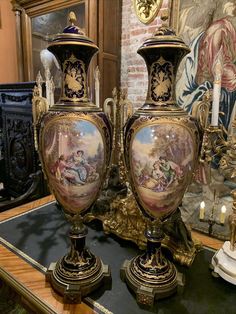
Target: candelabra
219	147
217	157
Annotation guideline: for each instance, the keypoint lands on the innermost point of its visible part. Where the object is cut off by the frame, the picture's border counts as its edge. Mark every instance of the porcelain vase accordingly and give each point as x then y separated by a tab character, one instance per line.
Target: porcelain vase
75	146
161	149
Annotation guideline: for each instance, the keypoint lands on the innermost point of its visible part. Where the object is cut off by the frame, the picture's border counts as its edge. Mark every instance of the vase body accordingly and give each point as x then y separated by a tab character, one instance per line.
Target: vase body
75	135
75	146
161	139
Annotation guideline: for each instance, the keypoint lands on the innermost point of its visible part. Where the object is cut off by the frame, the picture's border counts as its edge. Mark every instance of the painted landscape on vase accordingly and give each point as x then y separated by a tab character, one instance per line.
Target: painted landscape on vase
162	161
75	162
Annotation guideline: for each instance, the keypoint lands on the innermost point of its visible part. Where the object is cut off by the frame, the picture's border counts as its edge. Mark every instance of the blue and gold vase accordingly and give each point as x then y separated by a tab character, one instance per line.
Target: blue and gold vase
161	151
75	145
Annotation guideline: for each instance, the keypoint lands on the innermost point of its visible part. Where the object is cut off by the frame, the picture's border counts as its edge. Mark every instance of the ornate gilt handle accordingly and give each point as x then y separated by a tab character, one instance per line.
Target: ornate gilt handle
39	108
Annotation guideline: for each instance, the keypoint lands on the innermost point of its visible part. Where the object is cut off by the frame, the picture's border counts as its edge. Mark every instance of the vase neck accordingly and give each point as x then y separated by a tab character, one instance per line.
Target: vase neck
161	83
74	80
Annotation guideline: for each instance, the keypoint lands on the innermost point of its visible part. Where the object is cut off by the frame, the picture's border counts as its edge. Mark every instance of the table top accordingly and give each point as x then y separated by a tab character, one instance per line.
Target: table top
37	236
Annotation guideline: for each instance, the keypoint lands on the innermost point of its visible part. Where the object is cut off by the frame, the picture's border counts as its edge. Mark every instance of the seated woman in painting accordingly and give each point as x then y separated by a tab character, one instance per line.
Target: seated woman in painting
63	172
81	165
83	171
159	177
164	173
75	172
170	170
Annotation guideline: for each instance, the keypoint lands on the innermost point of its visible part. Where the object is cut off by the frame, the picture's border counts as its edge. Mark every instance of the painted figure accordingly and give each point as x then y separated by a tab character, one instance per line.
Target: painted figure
73	80
74	169
220	35
65	171
80	165
163	174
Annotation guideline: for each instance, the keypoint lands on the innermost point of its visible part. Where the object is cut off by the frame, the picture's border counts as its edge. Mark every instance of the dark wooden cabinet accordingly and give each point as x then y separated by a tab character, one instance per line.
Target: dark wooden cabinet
21	172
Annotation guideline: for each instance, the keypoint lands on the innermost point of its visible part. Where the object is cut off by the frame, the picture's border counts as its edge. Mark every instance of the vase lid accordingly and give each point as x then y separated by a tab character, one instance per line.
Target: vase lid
164	37
72	35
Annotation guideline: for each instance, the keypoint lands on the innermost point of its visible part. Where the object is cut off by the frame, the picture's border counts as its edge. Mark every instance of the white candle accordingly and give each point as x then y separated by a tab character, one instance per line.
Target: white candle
215	104
97	86
217	70
202	210
222	214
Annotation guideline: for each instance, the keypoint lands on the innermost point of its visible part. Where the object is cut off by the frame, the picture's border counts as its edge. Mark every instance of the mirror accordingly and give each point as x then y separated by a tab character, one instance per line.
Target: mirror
37	21
43	31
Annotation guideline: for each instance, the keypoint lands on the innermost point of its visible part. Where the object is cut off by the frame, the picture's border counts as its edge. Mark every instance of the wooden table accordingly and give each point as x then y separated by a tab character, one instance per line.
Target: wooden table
30	283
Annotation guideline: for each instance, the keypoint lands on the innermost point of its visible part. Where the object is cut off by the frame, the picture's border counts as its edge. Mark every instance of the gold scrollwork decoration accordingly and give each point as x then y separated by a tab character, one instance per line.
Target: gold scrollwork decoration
147	10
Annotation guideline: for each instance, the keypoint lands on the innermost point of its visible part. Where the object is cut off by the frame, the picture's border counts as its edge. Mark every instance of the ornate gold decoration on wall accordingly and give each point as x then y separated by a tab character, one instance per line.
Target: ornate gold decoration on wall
147	10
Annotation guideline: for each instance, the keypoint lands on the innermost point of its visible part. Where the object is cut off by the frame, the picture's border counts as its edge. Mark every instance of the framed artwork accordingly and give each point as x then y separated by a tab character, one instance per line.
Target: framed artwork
209	28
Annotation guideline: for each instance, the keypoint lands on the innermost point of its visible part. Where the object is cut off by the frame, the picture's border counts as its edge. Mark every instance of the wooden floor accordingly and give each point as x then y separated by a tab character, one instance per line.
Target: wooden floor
31	283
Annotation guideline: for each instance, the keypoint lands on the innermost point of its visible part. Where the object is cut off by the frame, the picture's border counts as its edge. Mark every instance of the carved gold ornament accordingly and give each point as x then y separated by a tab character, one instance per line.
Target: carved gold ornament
147	10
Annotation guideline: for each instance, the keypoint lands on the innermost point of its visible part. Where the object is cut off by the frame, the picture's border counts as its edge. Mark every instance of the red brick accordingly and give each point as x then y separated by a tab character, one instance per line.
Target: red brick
133	70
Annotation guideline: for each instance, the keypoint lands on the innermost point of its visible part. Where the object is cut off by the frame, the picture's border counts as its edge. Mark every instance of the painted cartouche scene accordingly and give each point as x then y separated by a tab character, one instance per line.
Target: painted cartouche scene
73	164
161	162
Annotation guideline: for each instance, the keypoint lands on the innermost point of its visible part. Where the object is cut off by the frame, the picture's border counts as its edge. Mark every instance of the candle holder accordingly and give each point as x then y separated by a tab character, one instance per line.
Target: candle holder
213	144
228	160
219	150
223	263
211	220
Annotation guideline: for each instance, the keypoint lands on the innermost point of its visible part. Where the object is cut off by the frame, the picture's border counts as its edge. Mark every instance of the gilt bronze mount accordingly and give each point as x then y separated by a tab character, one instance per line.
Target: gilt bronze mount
117	207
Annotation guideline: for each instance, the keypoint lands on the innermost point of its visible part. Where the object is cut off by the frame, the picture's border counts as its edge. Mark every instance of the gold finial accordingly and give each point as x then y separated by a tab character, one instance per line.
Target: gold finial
72	18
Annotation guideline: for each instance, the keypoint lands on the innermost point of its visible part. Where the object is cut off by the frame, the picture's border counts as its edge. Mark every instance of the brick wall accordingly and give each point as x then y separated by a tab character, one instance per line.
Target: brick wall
133	68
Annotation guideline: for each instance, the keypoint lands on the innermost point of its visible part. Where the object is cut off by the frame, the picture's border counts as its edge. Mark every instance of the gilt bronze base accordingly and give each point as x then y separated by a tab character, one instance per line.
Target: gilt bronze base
151	276
148	288
79	272
73	285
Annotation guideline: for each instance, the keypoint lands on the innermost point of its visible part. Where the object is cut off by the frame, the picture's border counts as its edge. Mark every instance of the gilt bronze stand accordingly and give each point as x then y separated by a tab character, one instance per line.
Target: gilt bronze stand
79	272
150	275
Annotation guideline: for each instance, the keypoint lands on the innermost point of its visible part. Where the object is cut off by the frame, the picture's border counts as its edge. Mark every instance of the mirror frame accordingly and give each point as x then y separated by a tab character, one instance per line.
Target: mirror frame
25	10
